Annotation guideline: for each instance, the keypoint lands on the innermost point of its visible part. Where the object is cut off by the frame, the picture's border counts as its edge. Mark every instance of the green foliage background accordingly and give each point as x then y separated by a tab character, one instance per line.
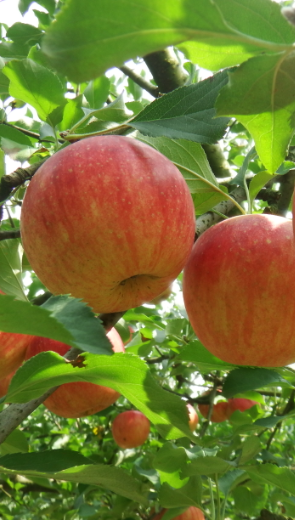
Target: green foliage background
62	81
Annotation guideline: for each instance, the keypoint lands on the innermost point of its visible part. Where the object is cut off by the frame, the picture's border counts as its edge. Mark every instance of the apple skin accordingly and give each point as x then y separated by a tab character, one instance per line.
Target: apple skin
130	429
77	399
193	417
110	220
191	513
239	288
219	413
163	296
240	404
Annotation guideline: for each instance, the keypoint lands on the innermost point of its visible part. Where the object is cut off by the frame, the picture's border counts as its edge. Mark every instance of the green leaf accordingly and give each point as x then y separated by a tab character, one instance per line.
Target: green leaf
36	85
15	442
61	318
89	38
230	479
72	113
248	501
240	177
244	379
124	373
188	495
48	463
97	92
208	466
24	34
258	182
282	478
271	421
260	94
11	253
191	160
251	446
24	5
185	113
2	164
15	143
196	353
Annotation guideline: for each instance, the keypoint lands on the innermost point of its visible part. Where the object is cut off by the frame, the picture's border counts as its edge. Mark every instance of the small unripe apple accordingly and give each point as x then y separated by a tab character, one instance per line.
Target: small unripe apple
193	417
240	404
239	287
110	220
130	429
219	411
77	399
191	513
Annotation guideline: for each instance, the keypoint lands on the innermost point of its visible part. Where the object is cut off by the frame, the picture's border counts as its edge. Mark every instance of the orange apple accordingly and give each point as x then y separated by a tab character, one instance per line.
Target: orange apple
110	220
163	296
193	417
77	399
191	513
238	289
130	429
219	412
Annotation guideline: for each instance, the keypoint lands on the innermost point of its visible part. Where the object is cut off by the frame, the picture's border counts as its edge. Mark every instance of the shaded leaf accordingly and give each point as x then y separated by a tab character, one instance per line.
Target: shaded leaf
11	253
196	353
244	379
188	495
15	442
282	478
61	318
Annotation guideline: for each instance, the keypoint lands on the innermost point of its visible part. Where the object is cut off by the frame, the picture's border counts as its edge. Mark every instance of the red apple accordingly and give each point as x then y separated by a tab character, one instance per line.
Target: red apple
130	429
191	513
110	220
219	412
239	288
77	399
240	404
193	417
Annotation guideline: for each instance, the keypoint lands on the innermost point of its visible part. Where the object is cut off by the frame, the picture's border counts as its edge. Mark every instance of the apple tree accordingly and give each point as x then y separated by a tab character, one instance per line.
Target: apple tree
210	86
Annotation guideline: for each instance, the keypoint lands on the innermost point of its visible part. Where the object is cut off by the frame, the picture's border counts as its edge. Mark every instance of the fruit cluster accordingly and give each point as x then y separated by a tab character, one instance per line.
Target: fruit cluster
223	410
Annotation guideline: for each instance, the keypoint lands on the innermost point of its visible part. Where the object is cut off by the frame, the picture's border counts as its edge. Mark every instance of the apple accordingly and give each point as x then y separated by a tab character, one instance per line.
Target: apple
130	429
239	287
76	399
163	296
193	417
219	412
240	404
110	220
191	513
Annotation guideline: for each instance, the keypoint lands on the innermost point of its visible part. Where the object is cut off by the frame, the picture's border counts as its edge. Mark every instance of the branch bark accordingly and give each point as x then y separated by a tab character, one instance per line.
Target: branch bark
166	69
144	84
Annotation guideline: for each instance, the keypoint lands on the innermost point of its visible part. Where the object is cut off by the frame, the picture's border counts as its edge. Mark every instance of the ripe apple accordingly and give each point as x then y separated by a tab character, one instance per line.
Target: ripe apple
193	417
110	220
191	513
76	399
130	429
239	288
240	404
219	412
163	296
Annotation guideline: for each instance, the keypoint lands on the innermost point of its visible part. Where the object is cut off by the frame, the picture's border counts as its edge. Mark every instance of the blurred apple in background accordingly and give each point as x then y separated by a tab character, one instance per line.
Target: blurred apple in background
193	417
191	513
130	429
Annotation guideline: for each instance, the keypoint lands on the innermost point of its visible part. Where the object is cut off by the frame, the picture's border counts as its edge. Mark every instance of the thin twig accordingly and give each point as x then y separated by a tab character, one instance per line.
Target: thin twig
10	234
144	84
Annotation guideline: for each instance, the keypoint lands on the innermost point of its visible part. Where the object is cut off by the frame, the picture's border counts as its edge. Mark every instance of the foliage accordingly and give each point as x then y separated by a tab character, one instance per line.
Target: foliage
65	80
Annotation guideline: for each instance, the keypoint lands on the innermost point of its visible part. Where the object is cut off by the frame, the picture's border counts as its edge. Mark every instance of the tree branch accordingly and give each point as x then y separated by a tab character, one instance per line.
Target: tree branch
10	234
17	178
144	84
166	70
